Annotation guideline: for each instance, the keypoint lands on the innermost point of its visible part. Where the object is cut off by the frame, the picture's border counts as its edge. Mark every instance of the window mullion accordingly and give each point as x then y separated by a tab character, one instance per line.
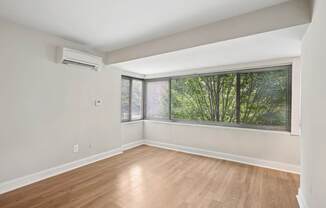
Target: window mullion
170	99
144	99
238	98
289	100
130	99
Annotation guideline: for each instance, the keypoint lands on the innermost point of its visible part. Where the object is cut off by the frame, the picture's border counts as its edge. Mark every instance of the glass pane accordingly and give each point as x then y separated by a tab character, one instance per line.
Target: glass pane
206	98
125	88
264	98
157	100
227	93
137	100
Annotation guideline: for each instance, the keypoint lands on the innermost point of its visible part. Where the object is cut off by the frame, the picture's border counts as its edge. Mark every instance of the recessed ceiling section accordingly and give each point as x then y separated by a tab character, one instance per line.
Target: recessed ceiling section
280	16
265	46
112	24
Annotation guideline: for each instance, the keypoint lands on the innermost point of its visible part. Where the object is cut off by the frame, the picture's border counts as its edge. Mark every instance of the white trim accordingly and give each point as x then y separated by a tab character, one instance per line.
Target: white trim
44	174
301	200
125	123
226	68
226	156
180	123
131	74
132	145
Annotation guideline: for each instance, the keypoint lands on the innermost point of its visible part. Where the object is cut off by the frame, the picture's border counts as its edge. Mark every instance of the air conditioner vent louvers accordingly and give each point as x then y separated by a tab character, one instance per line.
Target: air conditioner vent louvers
77	63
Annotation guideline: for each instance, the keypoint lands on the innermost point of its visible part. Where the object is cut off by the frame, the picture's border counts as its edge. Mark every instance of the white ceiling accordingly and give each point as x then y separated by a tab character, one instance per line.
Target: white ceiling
113	24
264	46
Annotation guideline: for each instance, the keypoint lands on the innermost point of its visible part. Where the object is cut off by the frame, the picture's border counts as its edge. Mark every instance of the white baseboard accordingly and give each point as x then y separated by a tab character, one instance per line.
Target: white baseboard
301	200
35	177
132	144
225	156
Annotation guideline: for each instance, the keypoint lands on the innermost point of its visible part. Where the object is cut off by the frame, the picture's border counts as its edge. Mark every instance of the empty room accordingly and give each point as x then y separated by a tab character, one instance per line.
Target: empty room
162	104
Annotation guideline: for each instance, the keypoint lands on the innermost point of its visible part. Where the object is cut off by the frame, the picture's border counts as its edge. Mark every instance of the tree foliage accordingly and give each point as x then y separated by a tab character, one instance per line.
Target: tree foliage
263	98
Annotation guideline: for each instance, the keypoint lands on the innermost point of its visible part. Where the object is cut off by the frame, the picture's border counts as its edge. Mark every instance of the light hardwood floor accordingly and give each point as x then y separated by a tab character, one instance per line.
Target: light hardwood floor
148	177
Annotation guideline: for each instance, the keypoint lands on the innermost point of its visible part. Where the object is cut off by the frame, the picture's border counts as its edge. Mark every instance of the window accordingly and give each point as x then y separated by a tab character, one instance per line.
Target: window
137	99
157	100
257	99
131	99
125	99
204	98
265	99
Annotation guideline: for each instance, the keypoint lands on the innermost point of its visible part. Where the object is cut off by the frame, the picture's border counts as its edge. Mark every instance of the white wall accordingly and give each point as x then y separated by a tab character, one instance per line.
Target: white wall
47	107
278	149
313	142
132	132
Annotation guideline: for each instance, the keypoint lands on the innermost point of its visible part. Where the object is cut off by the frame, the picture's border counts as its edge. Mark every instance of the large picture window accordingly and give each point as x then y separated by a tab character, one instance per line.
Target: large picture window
131	99
259	98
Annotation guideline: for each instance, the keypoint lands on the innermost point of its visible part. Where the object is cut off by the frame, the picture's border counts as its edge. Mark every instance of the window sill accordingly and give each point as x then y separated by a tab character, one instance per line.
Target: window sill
178	123
131	122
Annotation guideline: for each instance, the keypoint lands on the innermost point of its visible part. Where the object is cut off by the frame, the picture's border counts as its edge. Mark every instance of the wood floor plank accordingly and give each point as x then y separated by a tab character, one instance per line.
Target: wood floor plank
149	177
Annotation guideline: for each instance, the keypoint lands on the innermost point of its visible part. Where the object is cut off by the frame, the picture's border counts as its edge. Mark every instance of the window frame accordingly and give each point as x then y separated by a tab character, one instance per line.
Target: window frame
130	79
237	124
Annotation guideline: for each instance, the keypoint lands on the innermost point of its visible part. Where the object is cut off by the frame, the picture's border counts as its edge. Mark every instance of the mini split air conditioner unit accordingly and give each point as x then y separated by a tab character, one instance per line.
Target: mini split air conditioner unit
72	56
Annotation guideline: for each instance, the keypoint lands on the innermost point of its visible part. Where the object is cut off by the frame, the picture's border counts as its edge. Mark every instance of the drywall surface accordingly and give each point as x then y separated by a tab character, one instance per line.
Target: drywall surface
132	132
278	147
284	15
47	107
313	142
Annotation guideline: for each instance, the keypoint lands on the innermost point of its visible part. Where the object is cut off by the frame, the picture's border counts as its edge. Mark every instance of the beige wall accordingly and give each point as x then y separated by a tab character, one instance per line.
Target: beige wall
313	142
280	149
132	132
47	107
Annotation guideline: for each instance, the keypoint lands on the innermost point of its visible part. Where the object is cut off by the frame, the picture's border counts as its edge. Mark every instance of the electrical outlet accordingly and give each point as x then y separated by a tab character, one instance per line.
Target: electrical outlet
76	148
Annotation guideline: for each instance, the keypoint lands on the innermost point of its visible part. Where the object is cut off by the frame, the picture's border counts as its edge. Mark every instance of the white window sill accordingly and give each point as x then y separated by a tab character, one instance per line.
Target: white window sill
219	127
132	122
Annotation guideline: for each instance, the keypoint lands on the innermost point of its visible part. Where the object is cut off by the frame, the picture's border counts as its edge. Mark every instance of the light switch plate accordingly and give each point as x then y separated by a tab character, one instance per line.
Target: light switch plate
76	148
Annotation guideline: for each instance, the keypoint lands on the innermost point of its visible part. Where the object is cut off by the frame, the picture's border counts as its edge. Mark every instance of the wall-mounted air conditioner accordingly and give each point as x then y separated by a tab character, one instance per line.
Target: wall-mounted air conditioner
72	56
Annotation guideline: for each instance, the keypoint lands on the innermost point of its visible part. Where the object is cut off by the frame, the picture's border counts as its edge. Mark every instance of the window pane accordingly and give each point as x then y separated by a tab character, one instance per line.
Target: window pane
157	100
125	92
137	100
227	93
265	98
206	98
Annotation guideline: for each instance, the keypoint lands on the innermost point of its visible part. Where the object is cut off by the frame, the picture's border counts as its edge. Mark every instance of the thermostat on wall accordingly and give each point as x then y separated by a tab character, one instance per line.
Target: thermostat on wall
98	102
